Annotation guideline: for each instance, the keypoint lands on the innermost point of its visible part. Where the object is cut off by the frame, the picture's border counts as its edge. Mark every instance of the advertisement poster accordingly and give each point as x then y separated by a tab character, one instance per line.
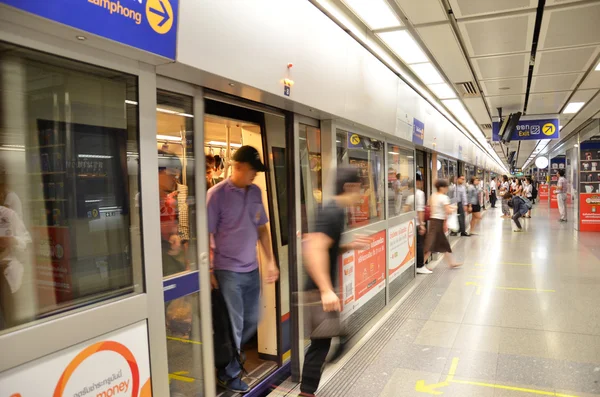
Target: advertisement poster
402	248
418	132
589	208
362	274
116	364
553	198
543	193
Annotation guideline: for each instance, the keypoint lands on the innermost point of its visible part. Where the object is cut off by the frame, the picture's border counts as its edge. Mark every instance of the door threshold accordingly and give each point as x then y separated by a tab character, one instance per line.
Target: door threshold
252	379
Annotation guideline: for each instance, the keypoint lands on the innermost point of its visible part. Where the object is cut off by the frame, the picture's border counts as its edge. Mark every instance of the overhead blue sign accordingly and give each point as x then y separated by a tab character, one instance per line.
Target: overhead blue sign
418	132
530	130
149	25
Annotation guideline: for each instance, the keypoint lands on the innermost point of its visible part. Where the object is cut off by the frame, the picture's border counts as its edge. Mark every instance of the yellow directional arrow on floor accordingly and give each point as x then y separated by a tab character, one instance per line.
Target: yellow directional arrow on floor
430	389
475	284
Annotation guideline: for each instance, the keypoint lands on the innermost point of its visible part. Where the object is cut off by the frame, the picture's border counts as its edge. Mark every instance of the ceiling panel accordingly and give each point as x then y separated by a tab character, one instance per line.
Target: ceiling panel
423	11
470	8
591	81
478	110
494	36
504	86
560	82
501	66
558	31
549	102
564	61
508	103
443	45
583	95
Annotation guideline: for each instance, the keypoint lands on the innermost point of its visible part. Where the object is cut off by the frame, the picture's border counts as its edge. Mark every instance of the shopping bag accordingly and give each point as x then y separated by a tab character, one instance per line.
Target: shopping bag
453	222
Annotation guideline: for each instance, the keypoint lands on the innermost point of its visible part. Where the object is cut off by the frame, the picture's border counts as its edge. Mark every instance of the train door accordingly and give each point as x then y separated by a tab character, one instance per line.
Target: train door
184	245
228	125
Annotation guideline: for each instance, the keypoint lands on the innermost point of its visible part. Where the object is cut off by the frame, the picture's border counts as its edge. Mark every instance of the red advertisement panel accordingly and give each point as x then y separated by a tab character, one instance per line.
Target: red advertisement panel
370	266
589	210
553	199
543	193
53	272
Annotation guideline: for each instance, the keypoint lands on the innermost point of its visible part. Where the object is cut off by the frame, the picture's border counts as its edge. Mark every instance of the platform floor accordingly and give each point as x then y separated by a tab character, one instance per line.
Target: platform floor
520	318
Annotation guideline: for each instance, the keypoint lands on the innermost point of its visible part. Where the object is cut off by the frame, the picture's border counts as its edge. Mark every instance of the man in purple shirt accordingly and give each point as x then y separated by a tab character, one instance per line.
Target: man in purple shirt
236	221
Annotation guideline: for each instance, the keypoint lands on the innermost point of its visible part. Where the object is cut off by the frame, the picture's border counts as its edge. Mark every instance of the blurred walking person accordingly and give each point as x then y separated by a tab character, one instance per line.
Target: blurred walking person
321	252
474	195
436	240
561	195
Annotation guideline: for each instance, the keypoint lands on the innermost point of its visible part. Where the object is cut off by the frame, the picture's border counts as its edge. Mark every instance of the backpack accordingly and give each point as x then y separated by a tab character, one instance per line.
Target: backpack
528	203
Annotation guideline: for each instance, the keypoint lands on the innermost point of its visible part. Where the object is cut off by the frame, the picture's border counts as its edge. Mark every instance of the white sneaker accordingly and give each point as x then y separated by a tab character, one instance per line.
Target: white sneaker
423	270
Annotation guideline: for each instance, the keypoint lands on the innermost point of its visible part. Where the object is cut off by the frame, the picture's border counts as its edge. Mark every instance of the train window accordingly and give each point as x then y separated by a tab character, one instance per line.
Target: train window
367	155
69	192
400	180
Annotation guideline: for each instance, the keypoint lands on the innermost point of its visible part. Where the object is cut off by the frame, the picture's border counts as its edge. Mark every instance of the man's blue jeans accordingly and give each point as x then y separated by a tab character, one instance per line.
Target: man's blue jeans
241	292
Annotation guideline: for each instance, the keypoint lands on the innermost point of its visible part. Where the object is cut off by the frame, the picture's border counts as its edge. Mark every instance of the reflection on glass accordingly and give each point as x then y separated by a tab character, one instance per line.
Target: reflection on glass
311	175
367	155
175	148
400	180
69	197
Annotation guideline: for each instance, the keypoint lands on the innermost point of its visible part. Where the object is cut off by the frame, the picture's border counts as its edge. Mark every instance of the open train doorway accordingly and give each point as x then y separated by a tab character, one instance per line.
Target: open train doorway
227	128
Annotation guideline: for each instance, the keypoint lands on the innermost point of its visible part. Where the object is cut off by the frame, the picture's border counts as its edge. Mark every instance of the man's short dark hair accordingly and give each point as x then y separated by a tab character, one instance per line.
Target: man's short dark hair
419	177
561	172
440	183
345	174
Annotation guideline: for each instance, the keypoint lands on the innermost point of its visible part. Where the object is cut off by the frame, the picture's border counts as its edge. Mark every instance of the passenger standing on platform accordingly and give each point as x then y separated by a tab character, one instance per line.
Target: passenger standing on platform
322	250
237	221
436	240
503	191
474	194
493	196
419	200
561	195
518	187
528	193
462	203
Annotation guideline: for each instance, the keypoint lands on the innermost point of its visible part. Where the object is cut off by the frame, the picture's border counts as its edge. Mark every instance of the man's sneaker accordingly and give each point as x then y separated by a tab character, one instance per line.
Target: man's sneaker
465	234
235	385
423	270
518	230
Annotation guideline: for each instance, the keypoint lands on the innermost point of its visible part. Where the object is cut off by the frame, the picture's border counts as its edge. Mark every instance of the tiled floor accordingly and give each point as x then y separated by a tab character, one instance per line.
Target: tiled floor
521	318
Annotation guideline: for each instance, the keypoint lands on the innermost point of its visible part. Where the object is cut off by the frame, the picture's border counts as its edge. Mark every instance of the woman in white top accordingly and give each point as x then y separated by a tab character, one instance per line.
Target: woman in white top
528	192
440	207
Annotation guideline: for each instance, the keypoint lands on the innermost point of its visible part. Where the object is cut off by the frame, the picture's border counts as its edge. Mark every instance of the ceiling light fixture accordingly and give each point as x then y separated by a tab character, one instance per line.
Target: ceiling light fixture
442	91
377	14
168	138
394	153
402	43
573	107
576	145
81	38
231	85
127	101
219	143
427	73
597	68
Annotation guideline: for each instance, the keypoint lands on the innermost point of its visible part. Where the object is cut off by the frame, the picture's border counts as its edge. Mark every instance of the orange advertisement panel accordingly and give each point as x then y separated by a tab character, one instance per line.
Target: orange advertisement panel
589	210
553	198
370	266
360	212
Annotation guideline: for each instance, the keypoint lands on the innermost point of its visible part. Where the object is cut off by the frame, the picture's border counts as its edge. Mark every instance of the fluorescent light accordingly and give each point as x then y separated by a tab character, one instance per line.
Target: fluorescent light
576	145
186	115
167	111
597	67
377	14
402	43
442	91
219	143
168	138
127	101
573	107
393	153
94	156
14	146
427	73
93	201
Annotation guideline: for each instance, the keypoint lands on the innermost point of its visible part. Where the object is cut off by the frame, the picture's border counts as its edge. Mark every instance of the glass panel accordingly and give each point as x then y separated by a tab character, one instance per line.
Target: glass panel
311	175
179	243
367	155
401	180
69	196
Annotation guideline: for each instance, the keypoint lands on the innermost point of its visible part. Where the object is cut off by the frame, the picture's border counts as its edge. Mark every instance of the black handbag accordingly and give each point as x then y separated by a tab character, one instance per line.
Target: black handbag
320	324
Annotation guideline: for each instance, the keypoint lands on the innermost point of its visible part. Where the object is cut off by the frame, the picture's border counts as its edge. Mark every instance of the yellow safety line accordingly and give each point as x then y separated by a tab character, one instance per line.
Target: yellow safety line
512	388
193	342
453	368
178	376
287	355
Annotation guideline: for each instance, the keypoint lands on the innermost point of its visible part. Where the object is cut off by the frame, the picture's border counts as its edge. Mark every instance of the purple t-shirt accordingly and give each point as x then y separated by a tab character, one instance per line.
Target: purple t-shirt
234	215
